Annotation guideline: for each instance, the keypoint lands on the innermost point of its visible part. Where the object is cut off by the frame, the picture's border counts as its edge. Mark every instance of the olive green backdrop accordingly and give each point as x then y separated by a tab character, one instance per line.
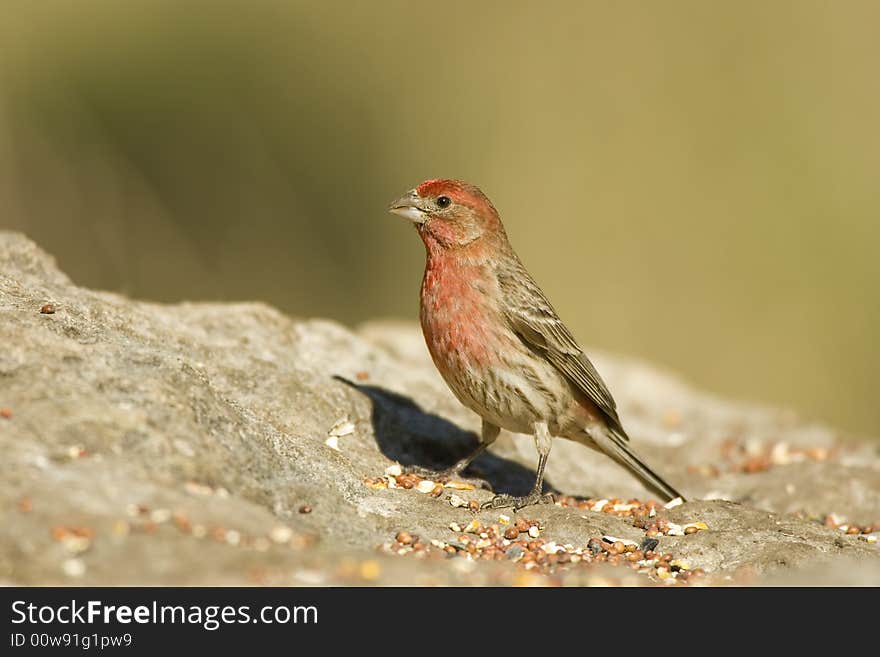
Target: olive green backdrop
695	183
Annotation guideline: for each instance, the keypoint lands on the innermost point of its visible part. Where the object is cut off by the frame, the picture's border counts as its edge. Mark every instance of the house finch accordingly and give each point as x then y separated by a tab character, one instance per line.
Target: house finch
498	342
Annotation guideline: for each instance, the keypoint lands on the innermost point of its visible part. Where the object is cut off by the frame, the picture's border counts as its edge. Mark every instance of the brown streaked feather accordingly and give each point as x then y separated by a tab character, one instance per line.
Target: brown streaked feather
535	321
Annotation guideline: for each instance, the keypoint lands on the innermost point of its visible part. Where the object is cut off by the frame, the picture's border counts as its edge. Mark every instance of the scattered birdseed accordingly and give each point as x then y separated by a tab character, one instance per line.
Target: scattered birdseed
362	376
370	570
672	418
394	470
459	485
671	504
456	501
649	544
534	532
47	309
76	452
343	427
160	515
473	527
751	456
332	442
425	486
836	521
195	488
6	413
673	529
278	534
305	508
73	567
504	520
182	522
480	542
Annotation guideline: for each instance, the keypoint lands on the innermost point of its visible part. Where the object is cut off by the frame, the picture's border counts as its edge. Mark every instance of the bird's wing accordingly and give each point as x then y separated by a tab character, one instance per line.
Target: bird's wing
536	323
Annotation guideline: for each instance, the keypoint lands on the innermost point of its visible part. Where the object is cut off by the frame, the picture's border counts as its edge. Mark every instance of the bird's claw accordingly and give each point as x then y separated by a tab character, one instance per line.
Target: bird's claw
517	503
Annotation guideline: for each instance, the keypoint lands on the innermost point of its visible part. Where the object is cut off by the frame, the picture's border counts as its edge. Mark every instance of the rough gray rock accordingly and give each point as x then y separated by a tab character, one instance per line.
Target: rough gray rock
176	444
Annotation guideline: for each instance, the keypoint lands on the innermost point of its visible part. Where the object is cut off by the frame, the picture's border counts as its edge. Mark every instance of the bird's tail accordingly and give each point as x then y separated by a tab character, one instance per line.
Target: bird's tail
615	444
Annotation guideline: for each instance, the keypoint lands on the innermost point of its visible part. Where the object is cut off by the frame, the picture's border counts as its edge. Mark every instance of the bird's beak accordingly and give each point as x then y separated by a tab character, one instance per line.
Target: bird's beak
411	206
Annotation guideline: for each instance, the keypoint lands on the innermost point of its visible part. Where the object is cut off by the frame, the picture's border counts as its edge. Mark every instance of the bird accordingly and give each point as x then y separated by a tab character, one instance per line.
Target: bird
500	345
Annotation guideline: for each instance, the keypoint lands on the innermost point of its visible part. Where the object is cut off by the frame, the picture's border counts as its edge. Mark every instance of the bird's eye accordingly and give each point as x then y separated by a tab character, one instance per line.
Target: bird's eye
443	201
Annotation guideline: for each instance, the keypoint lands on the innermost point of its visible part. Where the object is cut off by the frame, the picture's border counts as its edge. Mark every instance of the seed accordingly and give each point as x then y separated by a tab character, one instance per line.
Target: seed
25	505
426	486
456	501
362	376
437	491
511	533
473	527
854	530
634	556
305	508
521	525
474	506
73	567
6	413
278	534
534	532
617	547
649	544
691	529
405	538
370	570
47	309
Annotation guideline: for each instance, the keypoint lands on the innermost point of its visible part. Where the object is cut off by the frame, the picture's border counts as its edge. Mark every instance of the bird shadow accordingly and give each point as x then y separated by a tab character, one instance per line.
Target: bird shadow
408	434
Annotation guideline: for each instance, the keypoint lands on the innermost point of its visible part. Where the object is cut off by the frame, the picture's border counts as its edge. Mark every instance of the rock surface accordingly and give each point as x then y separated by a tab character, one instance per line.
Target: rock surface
188	444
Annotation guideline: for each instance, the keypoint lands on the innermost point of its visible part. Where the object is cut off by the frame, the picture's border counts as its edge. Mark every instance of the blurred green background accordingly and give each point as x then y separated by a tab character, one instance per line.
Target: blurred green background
695	183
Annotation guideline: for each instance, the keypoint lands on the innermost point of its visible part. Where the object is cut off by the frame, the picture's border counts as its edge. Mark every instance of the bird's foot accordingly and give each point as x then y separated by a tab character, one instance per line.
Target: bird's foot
447	475
517	503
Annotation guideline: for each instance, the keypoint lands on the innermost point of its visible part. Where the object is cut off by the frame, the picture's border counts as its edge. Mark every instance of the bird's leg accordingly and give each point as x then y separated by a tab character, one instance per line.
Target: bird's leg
487	436
537	496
